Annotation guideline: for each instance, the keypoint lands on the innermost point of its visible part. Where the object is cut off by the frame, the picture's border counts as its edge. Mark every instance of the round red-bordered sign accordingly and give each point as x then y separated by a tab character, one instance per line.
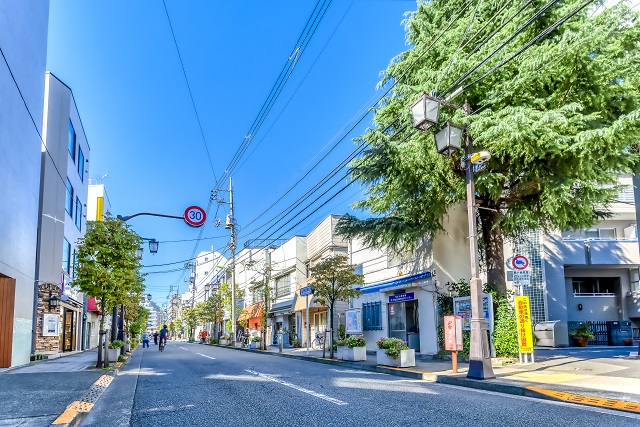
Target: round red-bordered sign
195	216
520	262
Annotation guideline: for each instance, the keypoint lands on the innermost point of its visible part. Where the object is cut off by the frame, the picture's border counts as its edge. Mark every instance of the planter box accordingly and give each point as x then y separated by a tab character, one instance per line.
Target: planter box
354	354
406	359
224	341
113	354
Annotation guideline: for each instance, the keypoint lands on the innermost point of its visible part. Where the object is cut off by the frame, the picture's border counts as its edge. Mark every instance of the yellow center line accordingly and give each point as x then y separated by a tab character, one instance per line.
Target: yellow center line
601	402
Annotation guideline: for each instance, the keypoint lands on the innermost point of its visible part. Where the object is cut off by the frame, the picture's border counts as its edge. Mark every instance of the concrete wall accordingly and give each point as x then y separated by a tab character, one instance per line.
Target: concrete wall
597	308
23	38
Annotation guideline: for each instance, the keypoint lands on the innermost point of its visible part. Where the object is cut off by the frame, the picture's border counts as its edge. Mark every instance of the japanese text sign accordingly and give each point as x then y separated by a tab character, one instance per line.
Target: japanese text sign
523	317
453	333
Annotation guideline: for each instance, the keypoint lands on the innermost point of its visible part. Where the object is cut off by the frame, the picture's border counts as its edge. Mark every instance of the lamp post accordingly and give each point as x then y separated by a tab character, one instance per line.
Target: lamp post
153	247
449	139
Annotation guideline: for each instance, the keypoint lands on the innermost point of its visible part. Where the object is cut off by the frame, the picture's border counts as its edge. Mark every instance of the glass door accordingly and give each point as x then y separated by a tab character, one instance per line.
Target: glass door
68	331
397	320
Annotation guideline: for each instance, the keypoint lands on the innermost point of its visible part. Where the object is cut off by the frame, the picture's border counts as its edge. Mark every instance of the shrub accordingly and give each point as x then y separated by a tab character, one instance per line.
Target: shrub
505	332
342	332
116	344
583	330
393	346
355	341
255	339
121	358
213	340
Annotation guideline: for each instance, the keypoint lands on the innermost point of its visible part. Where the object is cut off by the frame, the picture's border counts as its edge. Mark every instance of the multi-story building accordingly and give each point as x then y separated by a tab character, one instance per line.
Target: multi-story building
62	221
23	39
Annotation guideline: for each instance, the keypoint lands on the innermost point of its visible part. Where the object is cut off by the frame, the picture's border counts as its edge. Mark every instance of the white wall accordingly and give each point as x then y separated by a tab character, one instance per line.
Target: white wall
23	39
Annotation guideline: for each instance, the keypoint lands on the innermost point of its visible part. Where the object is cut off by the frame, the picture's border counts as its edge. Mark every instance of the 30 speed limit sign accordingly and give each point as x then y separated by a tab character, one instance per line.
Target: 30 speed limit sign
195	216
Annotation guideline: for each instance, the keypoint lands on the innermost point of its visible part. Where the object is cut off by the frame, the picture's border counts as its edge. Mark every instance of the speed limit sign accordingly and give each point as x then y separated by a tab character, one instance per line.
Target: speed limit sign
195	216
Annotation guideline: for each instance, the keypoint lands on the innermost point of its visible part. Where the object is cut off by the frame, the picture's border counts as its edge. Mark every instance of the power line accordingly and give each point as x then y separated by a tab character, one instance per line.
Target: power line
193	103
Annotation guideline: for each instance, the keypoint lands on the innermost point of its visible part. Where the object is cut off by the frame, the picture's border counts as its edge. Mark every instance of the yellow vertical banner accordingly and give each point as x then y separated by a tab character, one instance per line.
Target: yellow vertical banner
523	317
99	208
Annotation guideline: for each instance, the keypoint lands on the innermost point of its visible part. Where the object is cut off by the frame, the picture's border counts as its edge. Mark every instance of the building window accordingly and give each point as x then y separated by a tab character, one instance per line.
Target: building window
74	267
206	259
80	164
72	141
66	254
595	286
69	201
372	316
283	286
78	214
635	281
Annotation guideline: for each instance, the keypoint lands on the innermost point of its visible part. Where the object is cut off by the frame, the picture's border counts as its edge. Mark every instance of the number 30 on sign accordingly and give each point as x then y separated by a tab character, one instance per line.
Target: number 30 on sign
195	216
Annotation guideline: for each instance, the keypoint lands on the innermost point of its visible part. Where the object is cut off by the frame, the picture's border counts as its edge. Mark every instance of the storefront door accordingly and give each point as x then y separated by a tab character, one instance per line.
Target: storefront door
68	337
403	322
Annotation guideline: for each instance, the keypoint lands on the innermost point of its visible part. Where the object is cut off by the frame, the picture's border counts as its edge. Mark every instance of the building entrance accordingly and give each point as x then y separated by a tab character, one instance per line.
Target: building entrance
403	322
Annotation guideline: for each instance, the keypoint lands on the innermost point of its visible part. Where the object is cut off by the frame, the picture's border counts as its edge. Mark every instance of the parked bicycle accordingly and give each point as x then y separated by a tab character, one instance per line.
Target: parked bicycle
318	342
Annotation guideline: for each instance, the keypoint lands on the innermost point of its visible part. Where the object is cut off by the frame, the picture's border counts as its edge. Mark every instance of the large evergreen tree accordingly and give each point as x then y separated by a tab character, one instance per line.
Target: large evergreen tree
560	119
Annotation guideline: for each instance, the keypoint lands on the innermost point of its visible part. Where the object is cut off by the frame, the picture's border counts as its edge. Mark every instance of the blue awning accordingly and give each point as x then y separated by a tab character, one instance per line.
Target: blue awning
384	285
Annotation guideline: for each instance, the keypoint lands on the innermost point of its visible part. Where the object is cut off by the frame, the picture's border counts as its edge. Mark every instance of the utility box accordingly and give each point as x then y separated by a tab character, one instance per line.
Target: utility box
552	333
619	331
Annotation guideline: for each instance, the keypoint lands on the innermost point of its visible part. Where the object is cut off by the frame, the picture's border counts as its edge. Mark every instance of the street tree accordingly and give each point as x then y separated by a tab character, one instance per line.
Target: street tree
191	318
225	296
334	280
212	310
108	268
560	119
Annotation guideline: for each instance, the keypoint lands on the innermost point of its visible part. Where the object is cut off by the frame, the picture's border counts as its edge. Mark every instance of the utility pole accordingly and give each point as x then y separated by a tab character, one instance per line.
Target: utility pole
267	293
231	225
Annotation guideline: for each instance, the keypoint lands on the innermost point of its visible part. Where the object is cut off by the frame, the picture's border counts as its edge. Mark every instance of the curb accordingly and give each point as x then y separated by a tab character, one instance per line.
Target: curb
79	409
460	381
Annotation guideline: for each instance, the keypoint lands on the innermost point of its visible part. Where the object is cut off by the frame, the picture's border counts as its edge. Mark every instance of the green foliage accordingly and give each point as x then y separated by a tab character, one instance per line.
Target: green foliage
116	344
224	293
583	330
140	322
342	332
355	341
393	346
505	330
334	280
561	122
121	358
213	340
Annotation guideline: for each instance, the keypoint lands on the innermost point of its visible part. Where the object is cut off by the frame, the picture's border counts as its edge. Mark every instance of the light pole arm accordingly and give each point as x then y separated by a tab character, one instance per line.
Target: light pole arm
128	217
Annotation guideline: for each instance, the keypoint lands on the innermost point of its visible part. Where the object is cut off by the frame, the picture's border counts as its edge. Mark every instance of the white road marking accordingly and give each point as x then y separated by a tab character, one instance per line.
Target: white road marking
184	348
295	387
204	355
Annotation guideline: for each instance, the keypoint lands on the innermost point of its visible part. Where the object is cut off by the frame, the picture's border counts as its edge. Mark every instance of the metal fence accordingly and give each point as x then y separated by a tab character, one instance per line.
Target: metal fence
599	328
636	334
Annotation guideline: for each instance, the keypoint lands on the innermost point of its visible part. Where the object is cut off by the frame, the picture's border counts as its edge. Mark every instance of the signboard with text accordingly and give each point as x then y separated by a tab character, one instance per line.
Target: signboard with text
306	291
405	296
523	318
453	333
462	308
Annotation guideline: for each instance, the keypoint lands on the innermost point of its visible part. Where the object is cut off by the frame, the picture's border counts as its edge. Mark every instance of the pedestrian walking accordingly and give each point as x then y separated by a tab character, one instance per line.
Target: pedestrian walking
203	336
145	339
155	337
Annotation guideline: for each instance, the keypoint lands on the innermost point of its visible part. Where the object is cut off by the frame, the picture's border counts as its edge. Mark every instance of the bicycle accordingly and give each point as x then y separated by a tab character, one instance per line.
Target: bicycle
318	343
162	344
244	341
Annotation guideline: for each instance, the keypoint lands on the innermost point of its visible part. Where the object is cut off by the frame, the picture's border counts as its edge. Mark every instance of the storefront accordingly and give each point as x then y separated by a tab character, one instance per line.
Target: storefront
402	308
70	324
317	317
252	315
282	319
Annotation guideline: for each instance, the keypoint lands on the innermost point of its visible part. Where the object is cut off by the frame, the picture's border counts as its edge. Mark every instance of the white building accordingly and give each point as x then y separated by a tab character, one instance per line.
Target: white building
399	295
23	39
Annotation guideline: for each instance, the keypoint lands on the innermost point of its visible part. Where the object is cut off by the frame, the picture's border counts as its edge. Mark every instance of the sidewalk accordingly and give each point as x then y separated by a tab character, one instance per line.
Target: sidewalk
598	376
36	394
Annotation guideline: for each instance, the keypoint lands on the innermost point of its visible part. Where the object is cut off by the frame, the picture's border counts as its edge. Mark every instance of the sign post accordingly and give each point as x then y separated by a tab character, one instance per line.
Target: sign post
305	292
453	338
525	337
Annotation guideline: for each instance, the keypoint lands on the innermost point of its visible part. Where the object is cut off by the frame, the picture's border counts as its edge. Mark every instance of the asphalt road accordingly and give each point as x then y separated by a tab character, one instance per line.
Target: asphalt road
195	385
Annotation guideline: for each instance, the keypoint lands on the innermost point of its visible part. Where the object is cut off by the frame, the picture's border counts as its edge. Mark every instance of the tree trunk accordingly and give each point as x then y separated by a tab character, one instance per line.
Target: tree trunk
100	338
494	249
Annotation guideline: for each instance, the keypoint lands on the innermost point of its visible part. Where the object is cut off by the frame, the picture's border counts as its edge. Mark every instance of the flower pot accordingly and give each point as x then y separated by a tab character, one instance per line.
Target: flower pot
223	341
354	354
113	354
627	341
580	341
406	358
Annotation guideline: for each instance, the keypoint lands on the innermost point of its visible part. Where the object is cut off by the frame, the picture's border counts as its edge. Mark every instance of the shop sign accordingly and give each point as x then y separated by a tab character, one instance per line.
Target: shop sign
407	296
462	308
453	333
50	325
523	318
353	321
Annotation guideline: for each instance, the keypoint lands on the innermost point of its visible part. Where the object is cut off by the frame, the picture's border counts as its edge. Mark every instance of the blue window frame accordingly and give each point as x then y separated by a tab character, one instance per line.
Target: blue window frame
66	254
372	316
69	201
72	141
81	164
78	214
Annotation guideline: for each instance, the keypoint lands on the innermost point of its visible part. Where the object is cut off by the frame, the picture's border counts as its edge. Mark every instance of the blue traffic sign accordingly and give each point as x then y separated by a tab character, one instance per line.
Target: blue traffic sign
306	291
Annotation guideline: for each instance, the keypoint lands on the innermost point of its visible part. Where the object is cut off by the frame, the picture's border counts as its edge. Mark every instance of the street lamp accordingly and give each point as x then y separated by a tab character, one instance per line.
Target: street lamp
447	140
153	247
54	302
425	112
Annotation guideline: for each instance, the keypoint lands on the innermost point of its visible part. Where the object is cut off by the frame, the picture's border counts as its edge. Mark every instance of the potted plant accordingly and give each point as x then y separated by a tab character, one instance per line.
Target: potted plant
254	343
395	352
224	339
582	334
352	348
114	349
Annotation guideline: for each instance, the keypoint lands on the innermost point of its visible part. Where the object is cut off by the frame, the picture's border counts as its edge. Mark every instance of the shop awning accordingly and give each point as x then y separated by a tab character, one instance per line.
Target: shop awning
92	305
283	307
391	283
252	311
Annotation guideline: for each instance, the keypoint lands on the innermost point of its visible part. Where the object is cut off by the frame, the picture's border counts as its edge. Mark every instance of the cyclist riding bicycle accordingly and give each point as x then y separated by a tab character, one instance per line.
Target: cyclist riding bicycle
163	335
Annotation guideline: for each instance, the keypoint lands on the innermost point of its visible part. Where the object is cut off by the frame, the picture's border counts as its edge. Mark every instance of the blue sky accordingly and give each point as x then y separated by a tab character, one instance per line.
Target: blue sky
120	60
